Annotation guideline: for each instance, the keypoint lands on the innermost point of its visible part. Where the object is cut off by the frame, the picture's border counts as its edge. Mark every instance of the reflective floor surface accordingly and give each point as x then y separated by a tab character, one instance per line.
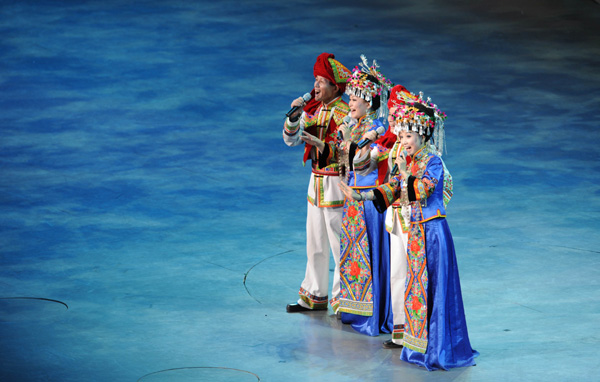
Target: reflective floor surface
152	219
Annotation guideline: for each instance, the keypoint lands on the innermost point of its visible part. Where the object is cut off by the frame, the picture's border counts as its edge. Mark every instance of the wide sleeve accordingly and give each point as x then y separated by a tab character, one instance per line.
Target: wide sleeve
421	188
364	164
292	131
388	193
448	185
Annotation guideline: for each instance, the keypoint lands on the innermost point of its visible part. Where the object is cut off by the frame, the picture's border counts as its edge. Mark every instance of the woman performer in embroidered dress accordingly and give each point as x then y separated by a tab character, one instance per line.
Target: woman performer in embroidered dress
397	216
364	263
436	335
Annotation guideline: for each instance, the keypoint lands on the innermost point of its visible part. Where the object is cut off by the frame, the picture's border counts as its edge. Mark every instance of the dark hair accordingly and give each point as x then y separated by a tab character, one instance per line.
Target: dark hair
376	101
373	79
423	109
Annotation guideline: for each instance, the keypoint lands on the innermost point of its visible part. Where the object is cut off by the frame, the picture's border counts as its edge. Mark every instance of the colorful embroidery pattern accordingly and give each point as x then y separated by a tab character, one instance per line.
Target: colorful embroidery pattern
362	165
314	302
340	112
382	153
415	295
424	188
363	125
290	130
356	294
415	335
335	303
390	191
319	124
340	72
448	186
423	185
398	332
310	120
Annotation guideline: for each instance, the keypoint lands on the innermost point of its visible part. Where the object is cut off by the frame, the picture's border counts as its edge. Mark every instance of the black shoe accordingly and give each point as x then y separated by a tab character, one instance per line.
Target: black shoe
295	308
389	344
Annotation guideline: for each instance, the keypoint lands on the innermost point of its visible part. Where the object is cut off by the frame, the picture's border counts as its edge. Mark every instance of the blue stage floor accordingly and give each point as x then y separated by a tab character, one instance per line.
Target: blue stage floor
152	221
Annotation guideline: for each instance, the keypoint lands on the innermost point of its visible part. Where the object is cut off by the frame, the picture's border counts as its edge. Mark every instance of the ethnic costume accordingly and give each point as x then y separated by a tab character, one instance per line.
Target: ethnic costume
397	224
435	334
325	200
364	265
397	220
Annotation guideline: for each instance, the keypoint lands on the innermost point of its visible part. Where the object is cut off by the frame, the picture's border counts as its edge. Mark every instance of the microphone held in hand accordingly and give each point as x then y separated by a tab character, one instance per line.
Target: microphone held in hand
380	130
306	98
395	167
346	121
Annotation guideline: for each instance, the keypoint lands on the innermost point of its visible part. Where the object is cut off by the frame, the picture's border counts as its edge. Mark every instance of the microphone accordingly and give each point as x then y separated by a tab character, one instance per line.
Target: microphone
380	130
306	98
395	167
347	119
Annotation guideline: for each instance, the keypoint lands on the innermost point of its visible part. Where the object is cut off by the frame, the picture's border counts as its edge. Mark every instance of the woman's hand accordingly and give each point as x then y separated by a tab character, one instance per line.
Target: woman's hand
401	162
371	135
349	192
346	132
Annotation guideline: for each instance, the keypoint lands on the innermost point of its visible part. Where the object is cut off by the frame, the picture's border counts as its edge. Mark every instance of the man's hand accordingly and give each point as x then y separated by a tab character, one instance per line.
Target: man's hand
313	141
300	103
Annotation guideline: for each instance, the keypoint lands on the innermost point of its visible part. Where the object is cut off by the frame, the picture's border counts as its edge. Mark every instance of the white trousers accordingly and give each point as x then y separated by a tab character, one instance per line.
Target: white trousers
323	226
398	270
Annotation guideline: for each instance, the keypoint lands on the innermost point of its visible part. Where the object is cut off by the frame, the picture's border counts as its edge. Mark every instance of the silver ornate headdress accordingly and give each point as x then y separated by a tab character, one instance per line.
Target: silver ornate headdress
367	82
423	117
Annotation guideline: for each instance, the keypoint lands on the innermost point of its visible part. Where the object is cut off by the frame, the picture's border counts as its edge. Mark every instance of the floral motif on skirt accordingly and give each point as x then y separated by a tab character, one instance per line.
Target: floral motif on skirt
415	295
356	287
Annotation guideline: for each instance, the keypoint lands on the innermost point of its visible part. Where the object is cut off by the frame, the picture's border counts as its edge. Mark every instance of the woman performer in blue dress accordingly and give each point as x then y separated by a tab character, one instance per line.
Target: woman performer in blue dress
435	335
364	256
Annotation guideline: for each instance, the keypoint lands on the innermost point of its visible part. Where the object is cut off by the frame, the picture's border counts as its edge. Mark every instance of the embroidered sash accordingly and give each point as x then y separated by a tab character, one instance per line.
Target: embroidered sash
356	281
415	295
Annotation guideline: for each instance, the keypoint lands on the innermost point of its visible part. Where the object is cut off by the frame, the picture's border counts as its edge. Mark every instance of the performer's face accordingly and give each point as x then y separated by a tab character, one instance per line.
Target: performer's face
325	91
358	107
411	141
391	117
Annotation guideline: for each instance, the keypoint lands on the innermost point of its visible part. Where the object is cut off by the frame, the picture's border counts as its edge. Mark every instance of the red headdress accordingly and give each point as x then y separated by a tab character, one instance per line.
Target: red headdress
395	98
328	67
389	138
